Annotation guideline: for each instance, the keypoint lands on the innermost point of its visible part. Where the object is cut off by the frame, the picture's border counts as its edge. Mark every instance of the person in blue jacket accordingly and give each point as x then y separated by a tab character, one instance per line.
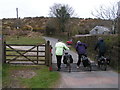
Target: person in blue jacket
81	50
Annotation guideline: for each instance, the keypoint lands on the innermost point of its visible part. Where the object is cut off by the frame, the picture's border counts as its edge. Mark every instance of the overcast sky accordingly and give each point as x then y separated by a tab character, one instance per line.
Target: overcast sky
33	8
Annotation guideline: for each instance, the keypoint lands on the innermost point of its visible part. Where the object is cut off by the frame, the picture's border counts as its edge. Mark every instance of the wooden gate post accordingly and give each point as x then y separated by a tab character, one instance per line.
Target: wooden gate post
4	52
47	53
37	53
50	58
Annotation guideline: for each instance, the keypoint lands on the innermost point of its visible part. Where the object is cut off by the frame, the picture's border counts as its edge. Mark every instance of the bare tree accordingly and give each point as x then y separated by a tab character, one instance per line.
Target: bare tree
118	19
106	12
109	13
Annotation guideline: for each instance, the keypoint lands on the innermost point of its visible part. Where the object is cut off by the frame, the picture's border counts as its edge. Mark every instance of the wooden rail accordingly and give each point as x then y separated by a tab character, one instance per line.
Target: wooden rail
37	56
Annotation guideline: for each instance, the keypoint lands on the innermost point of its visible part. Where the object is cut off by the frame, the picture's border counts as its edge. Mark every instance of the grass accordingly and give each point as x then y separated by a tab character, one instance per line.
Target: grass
24	40
5	76
43	78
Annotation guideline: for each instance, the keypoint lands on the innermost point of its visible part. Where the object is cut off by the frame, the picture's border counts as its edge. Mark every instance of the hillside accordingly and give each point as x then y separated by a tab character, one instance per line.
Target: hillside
75	25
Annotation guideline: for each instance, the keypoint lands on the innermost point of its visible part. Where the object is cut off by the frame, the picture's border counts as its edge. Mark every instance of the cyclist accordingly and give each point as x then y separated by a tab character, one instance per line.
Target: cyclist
59	47
81	50
101	47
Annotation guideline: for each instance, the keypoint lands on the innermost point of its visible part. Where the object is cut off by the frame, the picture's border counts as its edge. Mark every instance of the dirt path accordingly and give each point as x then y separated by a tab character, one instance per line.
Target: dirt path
84	79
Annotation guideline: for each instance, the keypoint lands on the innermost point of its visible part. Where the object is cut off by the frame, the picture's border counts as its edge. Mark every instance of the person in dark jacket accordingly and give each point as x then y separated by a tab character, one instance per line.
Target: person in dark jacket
101	47
81	50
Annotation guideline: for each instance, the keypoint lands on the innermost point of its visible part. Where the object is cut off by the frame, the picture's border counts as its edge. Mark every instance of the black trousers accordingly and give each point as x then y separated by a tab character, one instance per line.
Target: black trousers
79	58
58	61
101	54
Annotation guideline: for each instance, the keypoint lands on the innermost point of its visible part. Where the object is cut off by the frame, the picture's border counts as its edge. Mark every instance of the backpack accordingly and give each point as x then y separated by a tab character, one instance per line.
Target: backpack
66	57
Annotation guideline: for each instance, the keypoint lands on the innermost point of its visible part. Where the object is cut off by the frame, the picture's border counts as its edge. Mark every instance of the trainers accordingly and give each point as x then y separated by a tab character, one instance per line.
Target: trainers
78	67
66	66
58	69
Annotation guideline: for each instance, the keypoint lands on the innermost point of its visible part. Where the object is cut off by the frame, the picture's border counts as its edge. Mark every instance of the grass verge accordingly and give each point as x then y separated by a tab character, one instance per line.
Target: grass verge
42	79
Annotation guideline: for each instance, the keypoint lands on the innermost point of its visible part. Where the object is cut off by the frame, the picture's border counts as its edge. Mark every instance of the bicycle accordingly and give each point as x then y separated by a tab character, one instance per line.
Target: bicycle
102	62
68	60
69	65
86	62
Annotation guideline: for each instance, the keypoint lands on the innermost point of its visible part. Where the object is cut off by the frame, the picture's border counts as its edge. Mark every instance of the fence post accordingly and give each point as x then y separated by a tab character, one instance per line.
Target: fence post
4	52
37	53
50	58
2	48
47	53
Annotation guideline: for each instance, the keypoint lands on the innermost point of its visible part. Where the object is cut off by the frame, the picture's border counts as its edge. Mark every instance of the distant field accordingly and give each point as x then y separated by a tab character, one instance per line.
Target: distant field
24	40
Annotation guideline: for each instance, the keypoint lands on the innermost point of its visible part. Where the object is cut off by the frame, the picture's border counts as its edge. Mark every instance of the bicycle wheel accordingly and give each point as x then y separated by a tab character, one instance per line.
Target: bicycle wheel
69	67
89	65
90	68
103	66
96	60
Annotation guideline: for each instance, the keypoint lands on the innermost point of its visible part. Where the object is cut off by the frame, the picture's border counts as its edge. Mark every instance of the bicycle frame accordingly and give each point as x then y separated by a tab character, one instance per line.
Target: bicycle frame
102	62
68	65
83	57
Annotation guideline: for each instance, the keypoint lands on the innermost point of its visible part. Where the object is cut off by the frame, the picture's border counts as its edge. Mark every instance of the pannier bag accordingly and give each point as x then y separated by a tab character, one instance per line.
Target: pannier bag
85	61
66	57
